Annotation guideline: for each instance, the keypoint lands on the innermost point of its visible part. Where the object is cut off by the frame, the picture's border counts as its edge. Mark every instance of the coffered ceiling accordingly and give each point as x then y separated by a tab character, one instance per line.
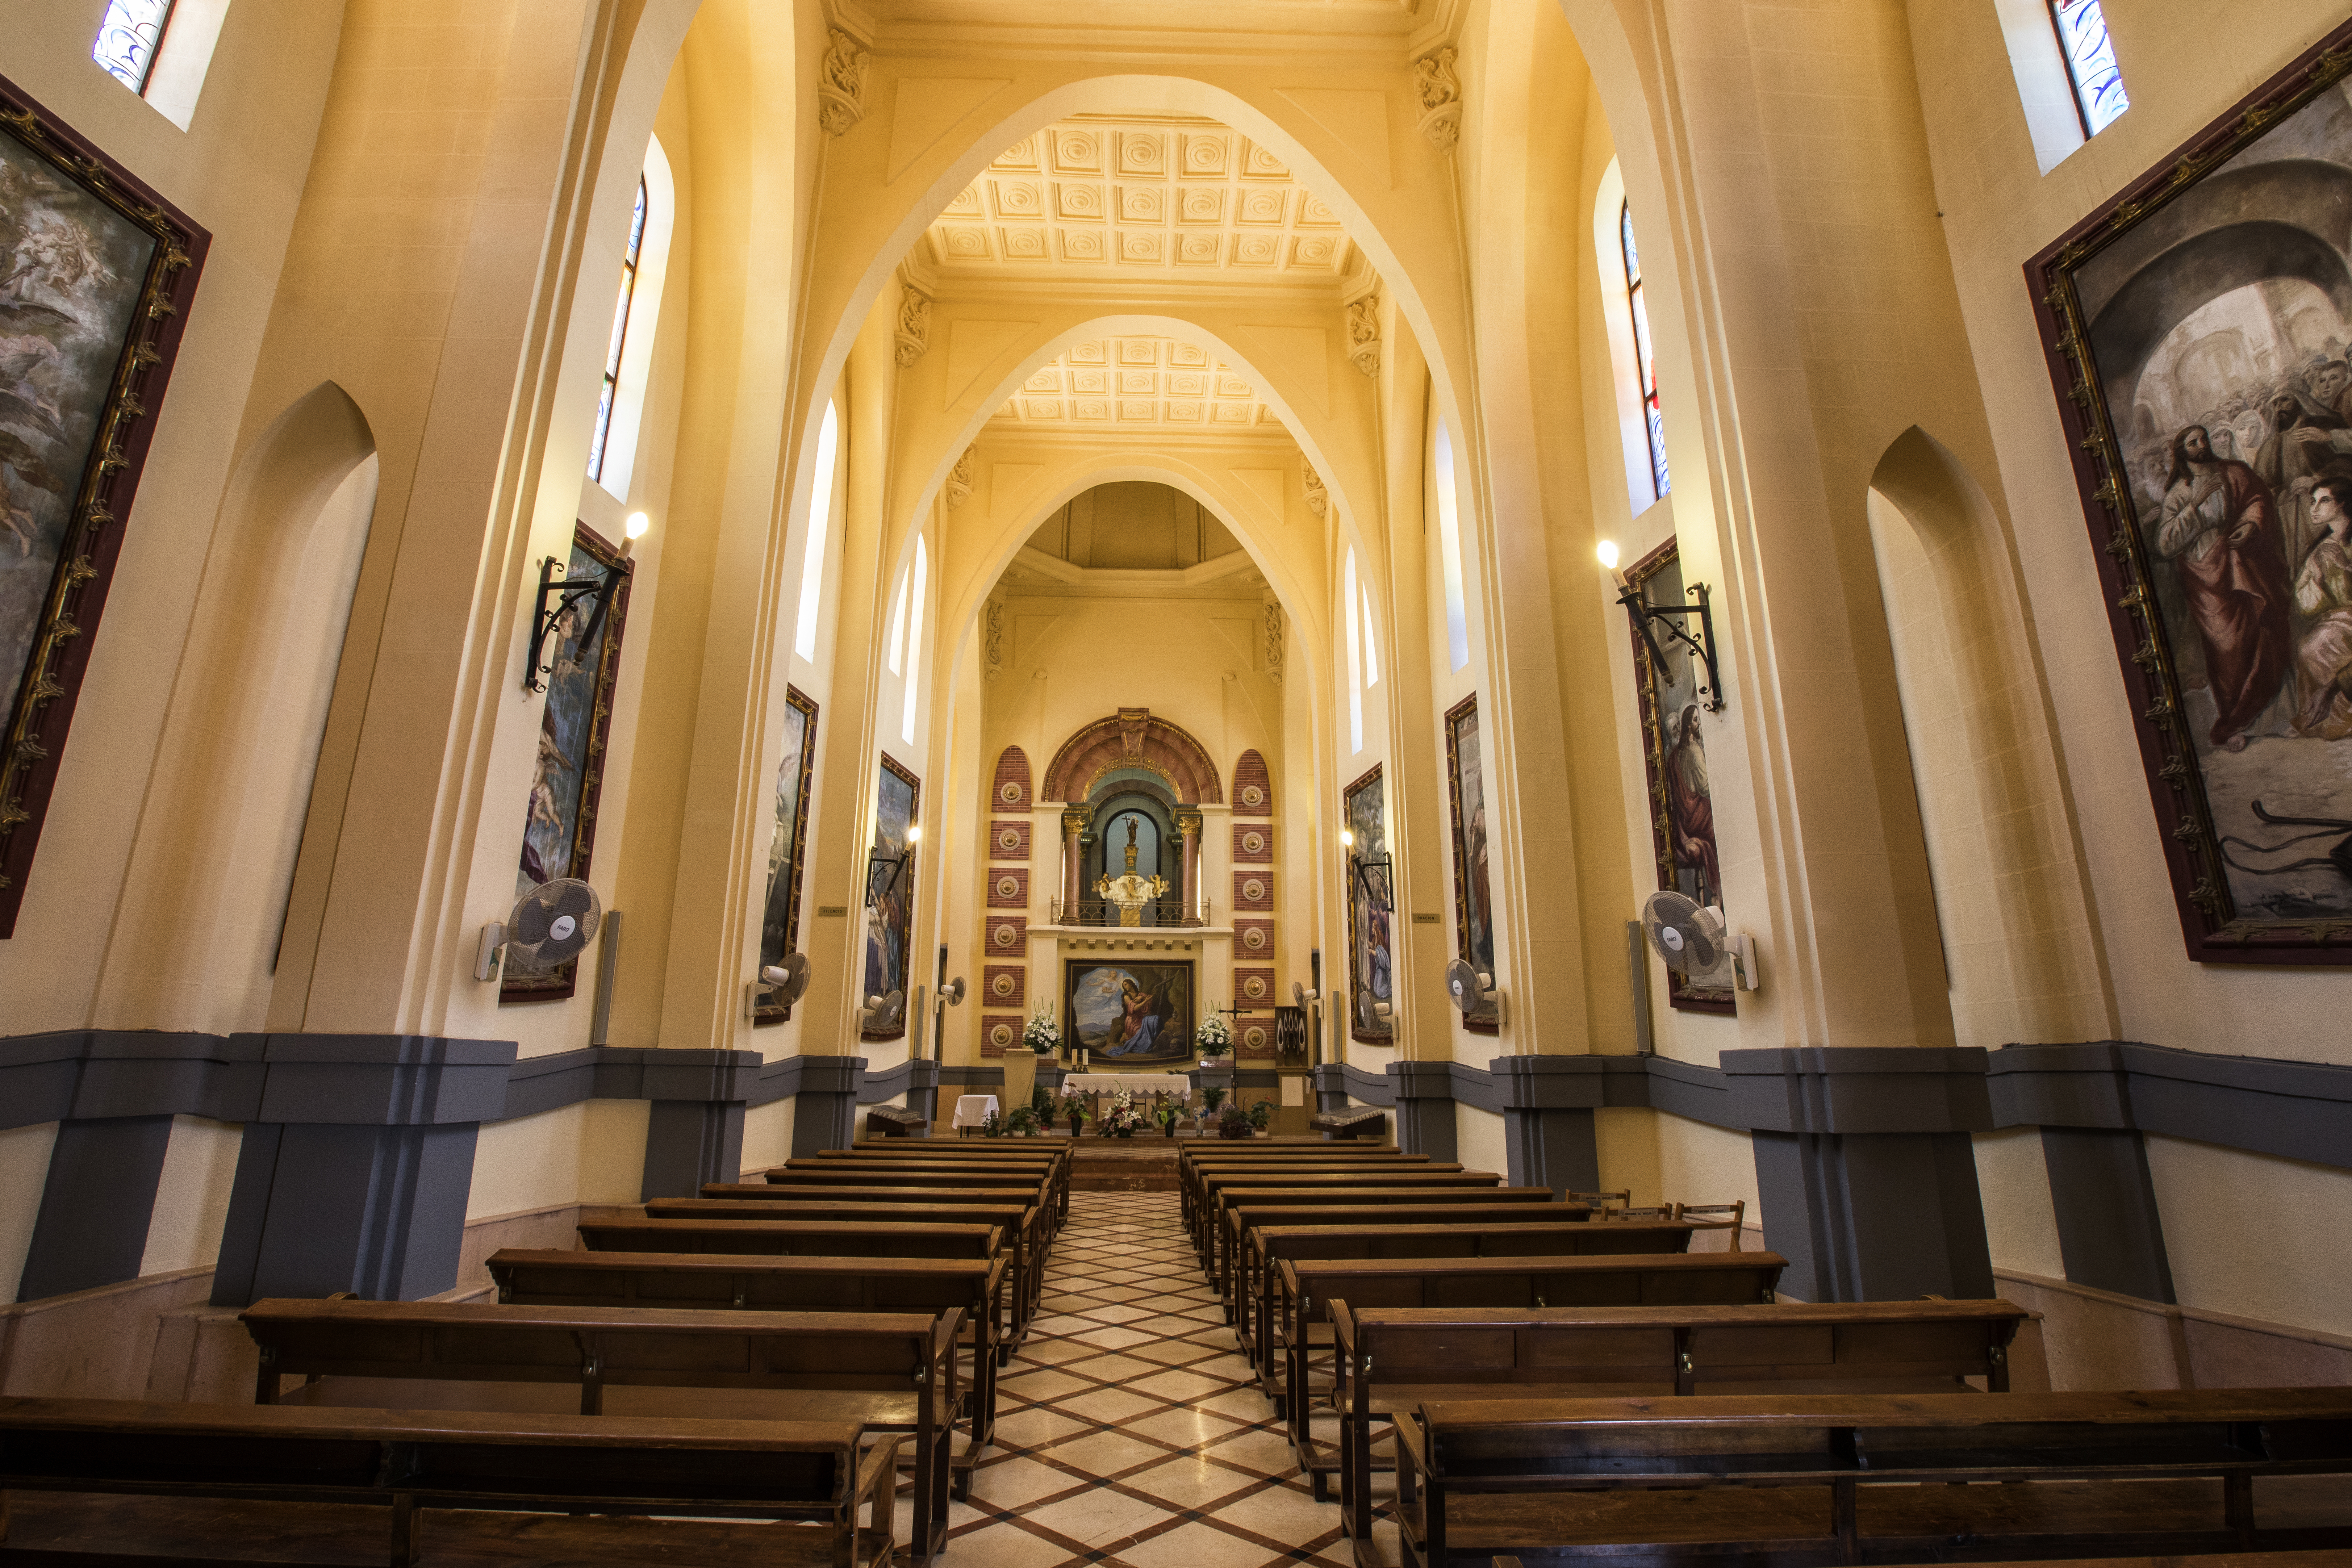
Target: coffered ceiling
1139	198
1140	383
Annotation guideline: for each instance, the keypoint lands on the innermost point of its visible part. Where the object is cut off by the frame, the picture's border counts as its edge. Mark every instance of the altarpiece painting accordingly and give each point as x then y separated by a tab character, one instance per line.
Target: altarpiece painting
1474	903
780	920
1372	951
1130	1015
559	830
891	893
2198	329
96	273
1674	750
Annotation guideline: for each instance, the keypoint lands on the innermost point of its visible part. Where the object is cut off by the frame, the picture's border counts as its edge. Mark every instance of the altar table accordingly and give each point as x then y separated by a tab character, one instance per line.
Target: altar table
1135	1083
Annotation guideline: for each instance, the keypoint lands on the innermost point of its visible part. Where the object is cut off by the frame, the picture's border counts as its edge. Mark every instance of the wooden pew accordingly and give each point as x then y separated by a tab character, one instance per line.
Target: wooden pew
1020	1224
1393	1360
1193	1176
1015	1150
1050	1173
1821	1478
1210	1214
1029	1187
84	1470
1223	1195
1257	1283
1192	1161
888	1371
1309	1286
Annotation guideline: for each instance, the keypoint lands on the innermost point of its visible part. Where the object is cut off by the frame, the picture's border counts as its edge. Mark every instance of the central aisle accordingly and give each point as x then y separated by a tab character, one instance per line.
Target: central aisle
1128	1432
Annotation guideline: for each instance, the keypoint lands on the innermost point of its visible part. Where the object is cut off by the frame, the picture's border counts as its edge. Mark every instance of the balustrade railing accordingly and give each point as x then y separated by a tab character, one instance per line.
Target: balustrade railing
1161	914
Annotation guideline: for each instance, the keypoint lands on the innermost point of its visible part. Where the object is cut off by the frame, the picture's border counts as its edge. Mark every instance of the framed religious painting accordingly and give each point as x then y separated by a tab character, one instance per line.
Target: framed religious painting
1474	908
1128	1014
97	276
1371	949
2197	328
780	919
1673	754
890	899
559	829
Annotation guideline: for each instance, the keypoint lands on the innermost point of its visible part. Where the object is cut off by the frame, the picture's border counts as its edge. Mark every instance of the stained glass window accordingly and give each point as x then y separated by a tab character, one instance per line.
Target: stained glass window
620	338
2091	69
1645	368
129	38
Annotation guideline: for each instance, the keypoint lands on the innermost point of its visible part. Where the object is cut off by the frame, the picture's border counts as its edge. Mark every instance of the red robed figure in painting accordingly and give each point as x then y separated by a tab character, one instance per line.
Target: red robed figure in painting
2221	532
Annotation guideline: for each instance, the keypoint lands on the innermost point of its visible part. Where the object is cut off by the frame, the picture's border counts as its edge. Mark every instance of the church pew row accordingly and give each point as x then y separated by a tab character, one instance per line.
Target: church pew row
1210	1237
186	1482
1053	1170
1028	1187
1190	1165
1824	1479
1388	1362
1311	1285
1258	1299
1016	1150
1021	1223
888	1371
1379	1190
705	1283
1195	1186
1368	1206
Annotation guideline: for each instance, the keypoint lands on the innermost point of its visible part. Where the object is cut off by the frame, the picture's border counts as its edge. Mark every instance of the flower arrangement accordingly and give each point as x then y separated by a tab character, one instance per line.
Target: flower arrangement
1213	1095
1073	1106
1165	1113
1041	1035
1213	1035
1235	1123
1122	1119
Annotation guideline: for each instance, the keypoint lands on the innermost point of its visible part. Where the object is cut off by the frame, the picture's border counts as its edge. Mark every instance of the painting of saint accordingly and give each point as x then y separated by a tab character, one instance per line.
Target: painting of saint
558	827
780	920
1371	940
93	290
1130	1015
2217	314
1474	908
890	894
1682	807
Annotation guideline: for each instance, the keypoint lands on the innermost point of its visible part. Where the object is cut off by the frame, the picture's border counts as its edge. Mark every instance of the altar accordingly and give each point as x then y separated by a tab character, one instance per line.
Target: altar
1140	1084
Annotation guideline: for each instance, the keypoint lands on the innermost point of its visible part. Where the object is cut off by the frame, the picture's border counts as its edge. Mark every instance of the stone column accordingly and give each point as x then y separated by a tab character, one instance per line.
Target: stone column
1187	822
1074	823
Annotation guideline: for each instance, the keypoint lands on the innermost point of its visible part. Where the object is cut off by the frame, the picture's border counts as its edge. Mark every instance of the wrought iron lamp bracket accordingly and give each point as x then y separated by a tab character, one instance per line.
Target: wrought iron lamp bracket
1375	876
1646	615
545	617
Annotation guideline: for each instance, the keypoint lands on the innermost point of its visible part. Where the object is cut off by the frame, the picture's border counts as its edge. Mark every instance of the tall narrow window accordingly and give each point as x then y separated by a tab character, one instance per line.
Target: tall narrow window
820	518
915	638
129	38
1645	366
1372	642
898	627
620	337
2091	69
1449	549
1348	594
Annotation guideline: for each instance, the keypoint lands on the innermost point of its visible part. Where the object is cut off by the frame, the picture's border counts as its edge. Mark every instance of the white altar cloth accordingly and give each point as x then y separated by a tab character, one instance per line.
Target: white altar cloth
971	1110
1133	1082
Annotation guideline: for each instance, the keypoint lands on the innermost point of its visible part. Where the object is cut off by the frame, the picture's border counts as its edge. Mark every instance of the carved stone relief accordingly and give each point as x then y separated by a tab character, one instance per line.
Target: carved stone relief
1439	91
914	333
841	84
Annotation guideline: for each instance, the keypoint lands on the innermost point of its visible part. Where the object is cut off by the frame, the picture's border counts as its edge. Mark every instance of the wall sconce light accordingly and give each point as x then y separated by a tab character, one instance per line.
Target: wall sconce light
1646	615
558	595
882	870
638	525
1372	874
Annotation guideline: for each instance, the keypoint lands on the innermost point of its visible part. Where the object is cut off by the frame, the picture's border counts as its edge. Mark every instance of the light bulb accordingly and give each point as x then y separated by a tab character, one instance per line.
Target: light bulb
1608	553
915	833
1348	837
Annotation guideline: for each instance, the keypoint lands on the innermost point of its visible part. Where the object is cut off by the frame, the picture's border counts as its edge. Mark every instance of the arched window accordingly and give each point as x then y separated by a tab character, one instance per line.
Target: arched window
898	625
1348	596
629	351
130	46
1449	548
915	638
619	339
130	38
820	520
2091	69
1372	642
1645	366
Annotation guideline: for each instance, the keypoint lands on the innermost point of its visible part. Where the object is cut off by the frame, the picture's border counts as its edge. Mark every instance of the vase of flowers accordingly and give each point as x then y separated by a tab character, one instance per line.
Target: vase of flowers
1215	1036
1041	1035
1165	1113
1122	1119
1074	1106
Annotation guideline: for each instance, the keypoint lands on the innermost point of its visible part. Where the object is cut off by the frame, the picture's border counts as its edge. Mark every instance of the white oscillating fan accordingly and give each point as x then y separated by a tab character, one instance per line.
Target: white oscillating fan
786	982
882	1012
1689	936
550	925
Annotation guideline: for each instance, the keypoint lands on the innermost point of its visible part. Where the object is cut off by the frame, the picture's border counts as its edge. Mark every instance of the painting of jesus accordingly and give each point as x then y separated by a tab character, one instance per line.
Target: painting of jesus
1131	1014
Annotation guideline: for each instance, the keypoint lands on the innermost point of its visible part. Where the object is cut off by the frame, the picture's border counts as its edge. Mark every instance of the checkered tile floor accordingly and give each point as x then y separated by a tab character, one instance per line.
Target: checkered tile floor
1128	1431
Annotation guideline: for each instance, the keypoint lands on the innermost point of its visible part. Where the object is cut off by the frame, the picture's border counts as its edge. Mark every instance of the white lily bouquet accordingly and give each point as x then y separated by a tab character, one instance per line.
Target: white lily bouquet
1214	1037
1041	1035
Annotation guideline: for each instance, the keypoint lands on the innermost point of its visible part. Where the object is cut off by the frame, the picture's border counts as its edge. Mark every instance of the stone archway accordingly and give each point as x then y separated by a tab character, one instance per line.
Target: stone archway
1133	737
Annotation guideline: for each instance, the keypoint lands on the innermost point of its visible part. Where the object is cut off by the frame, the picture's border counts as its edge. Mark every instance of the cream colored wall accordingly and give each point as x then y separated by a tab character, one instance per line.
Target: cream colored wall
591	1153
24	1171
191	1195
2021	1223
768	1134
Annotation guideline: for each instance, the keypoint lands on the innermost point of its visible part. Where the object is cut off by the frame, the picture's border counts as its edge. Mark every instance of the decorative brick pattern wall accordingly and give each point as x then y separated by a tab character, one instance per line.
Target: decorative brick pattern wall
999	1033
1254	939
1008	936
1253	842
1004	986
1253	1034
1008	888
1008	840
1253	890
1253	786
1012	791
1253	987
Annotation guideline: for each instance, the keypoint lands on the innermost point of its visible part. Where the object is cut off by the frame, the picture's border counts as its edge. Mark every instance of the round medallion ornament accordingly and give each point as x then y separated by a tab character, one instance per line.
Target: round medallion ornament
1253	987
1255	1037
1253	938
1008	887
1253	795
1001	1036
1009	792
1253	889
1005	936
1002	985
1254	842
1008	840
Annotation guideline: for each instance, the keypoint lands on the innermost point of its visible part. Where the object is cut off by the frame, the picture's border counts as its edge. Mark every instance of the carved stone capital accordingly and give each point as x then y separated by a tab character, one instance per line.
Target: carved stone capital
914	333
841	84
1439	90
960	477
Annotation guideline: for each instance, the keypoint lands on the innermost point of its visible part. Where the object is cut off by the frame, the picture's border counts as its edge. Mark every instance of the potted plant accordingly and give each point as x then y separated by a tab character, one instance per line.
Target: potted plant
1213	1095
1041	1035
1022	1123
1074	1106
1261	1114
1214	1038
1163	1112
992	1126
1122	1119
1235	1123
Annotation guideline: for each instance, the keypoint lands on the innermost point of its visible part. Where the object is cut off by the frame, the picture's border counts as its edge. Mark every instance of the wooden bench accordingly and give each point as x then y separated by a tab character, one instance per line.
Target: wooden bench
1191	1169
1258	1284
888	1371
1377	1189
1488	1206
1823	1479
1018	1151
737	1282
1052	1170
1209	1214
75	1465
1028	1187
1021	1223
1309	1286
1390	1361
